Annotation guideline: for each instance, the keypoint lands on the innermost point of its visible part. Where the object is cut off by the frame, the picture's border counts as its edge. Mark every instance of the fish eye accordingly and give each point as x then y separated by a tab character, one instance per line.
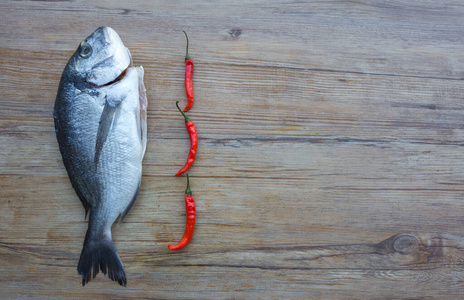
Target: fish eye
85	50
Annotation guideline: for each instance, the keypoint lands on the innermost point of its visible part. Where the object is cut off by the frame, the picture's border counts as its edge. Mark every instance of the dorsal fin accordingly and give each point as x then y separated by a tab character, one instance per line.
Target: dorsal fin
67	161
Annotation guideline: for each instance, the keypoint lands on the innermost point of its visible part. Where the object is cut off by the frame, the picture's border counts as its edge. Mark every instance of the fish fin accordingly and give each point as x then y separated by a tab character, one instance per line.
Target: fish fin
75	184
60	135
131	204
101	255
143	110
84	201
106	120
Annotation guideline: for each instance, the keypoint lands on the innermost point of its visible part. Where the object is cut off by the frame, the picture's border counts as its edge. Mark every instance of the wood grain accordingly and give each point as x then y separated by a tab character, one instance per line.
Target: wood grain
330	161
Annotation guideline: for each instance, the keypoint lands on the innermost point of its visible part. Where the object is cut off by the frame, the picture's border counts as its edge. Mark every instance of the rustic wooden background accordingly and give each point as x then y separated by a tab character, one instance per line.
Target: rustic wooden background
330	160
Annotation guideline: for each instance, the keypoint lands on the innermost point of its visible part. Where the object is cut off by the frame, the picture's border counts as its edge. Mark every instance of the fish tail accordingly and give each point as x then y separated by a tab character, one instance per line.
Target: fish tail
100	254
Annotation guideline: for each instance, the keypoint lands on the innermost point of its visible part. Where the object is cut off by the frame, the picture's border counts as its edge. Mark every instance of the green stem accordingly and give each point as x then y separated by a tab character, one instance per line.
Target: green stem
188	191
187	119
187	49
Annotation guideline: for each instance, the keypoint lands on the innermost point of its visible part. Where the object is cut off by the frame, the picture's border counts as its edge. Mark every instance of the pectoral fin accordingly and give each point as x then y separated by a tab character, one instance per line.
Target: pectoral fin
106	120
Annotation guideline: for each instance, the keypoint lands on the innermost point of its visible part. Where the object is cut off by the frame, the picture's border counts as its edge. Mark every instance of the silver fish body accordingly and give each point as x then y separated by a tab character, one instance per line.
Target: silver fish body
100	122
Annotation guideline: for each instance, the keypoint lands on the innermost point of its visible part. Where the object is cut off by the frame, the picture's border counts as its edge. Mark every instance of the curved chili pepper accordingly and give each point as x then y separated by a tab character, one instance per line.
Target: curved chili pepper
192	131
188	77
191	212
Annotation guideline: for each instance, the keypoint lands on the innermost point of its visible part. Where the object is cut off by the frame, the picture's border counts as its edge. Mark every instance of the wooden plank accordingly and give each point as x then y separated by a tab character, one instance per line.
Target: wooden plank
329	165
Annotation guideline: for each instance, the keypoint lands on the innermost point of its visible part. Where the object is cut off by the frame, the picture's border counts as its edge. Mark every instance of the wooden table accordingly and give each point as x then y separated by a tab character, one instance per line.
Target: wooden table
330	159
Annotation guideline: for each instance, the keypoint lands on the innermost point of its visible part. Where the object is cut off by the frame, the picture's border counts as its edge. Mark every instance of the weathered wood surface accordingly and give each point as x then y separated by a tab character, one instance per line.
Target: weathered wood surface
330	161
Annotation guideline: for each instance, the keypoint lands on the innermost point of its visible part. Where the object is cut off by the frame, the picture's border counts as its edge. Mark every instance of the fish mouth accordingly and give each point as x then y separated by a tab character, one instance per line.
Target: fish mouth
118	78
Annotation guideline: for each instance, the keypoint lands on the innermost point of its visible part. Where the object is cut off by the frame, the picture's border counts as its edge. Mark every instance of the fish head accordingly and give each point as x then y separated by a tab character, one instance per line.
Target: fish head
101	58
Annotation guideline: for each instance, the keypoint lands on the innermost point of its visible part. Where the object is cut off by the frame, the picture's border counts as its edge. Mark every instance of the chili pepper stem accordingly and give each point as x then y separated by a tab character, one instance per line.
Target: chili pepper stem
187	56
188	191
187	119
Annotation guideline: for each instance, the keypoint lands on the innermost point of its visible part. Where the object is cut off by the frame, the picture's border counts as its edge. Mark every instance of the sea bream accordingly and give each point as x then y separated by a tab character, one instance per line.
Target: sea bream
101	127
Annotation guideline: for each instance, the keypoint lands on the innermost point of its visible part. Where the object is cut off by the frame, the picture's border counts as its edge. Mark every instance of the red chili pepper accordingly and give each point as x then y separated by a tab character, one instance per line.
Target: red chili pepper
188	77
192	131
191	211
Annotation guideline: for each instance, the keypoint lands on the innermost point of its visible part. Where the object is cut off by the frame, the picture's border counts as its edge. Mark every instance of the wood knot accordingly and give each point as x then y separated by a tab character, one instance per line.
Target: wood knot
400	243
406	244
235	33
406	249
